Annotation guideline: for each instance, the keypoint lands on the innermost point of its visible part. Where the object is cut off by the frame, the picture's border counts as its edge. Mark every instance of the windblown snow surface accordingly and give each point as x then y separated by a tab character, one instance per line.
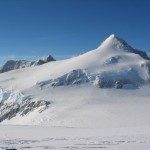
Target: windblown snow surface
80	116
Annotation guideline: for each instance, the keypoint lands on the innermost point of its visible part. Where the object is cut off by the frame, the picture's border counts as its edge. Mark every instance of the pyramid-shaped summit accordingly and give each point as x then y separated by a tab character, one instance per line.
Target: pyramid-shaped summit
115	42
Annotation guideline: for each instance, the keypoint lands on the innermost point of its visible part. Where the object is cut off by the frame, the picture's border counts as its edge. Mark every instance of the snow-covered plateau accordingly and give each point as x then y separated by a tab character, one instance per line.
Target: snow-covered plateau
98	100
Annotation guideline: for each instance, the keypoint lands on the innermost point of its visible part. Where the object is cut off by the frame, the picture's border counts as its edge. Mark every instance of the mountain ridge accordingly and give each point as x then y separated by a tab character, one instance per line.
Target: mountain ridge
116	42
109	67
18	64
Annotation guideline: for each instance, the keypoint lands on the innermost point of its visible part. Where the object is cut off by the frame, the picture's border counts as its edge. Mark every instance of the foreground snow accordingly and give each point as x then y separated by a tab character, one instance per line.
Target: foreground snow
59	138
99	119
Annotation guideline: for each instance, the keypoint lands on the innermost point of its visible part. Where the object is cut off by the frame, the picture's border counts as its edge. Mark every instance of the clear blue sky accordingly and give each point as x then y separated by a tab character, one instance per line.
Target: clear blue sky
67	27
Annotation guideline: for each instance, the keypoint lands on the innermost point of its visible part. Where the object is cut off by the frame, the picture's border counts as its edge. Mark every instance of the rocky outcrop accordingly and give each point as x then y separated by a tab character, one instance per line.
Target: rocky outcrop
74	77
43	61
119	84
141	53
102	83
10	110
18	64
15	103
112	60
146	66
108	79
122	44
119	79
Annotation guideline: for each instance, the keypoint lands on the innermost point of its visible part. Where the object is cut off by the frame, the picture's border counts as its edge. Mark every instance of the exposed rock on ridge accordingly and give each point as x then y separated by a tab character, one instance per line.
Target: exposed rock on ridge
18	64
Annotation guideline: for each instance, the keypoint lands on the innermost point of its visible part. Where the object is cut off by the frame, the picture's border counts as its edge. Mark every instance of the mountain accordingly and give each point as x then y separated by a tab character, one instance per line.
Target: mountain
18	64
80	91
115	42
113	64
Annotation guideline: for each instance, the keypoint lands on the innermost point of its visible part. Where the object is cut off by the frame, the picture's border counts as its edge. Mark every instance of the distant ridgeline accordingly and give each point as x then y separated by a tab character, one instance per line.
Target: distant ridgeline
18	64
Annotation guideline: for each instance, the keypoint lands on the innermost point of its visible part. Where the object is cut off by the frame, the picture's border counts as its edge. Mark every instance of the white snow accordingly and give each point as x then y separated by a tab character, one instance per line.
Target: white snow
41	138
81	116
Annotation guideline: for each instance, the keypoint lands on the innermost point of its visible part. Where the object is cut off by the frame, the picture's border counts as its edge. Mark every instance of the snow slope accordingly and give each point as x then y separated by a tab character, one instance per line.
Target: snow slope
81	104
43	138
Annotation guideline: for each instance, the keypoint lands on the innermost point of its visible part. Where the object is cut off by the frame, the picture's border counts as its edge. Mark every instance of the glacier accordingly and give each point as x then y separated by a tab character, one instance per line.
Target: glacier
97	100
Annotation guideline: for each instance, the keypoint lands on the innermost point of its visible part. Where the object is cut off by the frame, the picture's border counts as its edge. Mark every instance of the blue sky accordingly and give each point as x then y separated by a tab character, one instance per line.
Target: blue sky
62	28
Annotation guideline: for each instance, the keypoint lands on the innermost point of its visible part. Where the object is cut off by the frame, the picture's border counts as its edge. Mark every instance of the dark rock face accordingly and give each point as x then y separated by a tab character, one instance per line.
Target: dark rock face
113	60
119	84
44	60
48	59
10	110
141	53
13	64
122	44
102	83
146	66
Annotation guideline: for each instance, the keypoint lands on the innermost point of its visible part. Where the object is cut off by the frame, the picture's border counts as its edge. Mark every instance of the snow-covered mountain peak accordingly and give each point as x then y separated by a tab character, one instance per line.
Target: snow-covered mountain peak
112	36
115	42
25	93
